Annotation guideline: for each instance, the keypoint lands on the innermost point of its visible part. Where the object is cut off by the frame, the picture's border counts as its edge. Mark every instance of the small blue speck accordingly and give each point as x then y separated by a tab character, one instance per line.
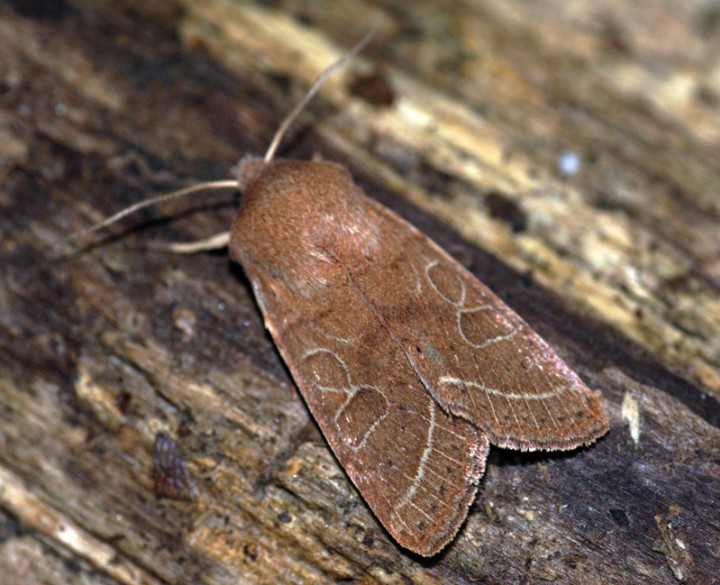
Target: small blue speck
569	163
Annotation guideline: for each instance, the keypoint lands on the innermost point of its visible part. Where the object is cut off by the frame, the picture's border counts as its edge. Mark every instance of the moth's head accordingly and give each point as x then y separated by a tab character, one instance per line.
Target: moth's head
248	170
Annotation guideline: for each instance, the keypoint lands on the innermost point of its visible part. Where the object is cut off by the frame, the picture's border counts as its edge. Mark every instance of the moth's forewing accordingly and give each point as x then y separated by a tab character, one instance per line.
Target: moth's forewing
475	355
416	465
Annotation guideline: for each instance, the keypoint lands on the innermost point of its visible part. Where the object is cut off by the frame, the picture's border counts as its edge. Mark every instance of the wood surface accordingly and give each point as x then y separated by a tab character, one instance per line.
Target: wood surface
457	116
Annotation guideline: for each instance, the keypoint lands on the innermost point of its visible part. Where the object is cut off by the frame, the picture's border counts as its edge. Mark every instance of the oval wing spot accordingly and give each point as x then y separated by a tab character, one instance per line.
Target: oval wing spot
479	326
446	282
328	370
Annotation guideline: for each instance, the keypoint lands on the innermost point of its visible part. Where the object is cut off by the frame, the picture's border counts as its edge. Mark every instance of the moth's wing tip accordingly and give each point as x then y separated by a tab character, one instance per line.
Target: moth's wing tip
566	439
431	542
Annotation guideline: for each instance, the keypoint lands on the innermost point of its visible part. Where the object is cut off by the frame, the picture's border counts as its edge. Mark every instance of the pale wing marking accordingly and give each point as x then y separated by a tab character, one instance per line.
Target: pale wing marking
350	392
489	390
461	309
544	396
424	457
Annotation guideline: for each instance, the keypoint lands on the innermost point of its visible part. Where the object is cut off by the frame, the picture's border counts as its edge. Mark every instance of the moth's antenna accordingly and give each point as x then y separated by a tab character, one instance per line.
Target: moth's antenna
233	184
312	91
207	186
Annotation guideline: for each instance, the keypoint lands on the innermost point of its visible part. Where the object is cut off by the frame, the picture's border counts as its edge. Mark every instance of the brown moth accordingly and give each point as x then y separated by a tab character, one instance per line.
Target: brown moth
409	364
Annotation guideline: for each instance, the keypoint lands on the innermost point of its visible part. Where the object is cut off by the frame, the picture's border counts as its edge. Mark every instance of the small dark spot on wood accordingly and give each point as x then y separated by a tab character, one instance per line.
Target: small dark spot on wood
9	527
615	36
41	9
251	551
304	19
573	560
122	401
285	517
609	201
708	22
282	81
374	89
527	279
172	479
505	209
706	96
347	507
410	33
620	517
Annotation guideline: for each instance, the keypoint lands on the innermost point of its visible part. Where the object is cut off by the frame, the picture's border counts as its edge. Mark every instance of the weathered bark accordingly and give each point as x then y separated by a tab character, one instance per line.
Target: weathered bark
104	346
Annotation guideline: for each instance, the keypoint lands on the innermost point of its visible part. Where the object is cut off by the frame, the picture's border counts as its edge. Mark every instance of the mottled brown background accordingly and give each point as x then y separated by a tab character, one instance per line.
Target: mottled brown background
455	117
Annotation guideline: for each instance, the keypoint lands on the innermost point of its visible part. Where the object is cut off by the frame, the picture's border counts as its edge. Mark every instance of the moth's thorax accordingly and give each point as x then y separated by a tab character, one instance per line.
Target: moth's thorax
297	219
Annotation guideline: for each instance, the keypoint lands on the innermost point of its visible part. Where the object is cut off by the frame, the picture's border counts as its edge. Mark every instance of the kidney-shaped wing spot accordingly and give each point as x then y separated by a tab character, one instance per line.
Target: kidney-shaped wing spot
363	407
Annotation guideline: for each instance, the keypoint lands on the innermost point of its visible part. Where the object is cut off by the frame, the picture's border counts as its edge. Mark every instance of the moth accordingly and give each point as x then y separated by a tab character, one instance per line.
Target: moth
409	364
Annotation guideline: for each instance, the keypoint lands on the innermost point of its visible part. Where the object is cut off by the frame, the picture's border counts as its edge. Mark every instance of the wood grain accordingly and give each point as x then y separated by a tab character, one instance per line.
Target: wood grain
616	266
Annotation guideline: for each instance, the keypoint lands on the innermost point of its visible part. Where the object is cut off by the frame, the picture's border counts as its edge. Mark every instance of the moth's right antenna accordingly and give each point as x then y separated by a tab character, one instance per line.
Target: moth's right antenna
312	91
214	242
